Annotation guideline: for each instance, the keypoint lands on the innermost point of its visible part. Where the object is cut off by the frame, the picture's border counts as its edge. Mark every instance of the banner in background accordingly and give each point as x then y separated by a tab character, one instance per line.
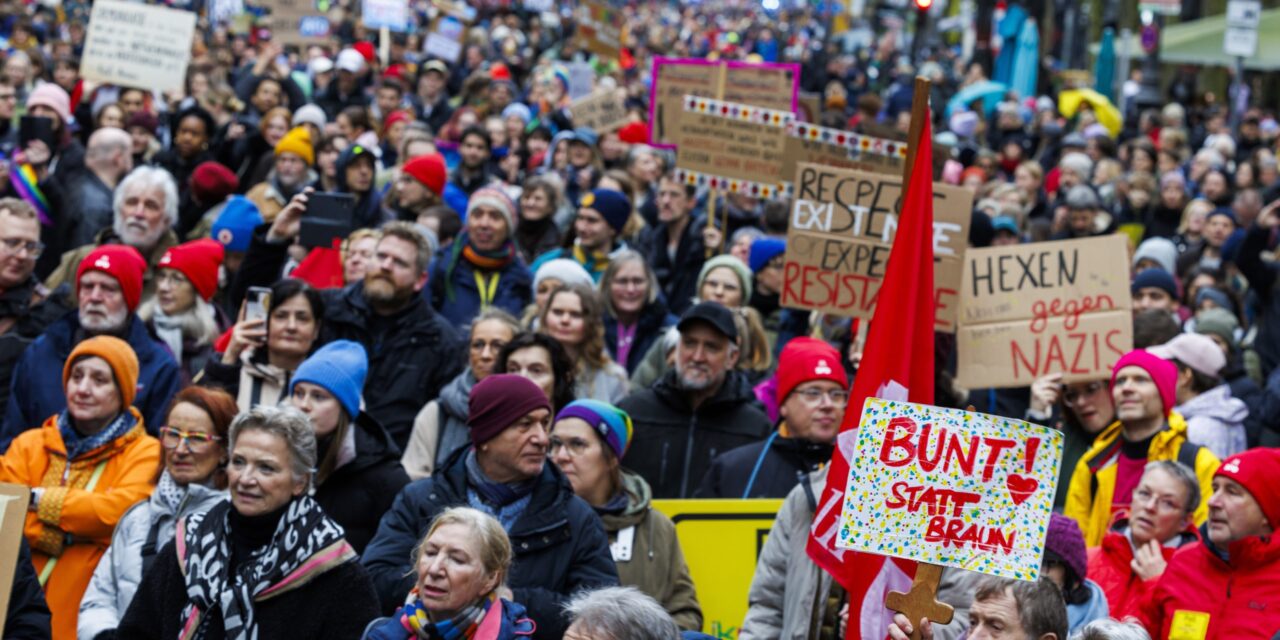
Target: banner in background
770	85
138	45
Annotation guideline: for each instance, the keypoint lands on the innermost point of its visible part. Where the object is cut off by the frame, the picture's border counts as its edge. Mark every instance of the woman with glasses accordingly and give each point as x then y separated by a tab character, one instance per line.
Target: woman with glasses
180	313
441	427
1080	410
86	465
636	315
359	472
192	478
588	440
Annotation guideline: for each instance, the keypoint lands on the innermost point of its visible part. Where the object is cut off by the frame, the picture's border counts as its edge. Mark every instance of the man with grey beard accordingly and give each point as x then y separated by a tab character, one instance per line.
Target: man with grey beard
702	407
108	291
146	208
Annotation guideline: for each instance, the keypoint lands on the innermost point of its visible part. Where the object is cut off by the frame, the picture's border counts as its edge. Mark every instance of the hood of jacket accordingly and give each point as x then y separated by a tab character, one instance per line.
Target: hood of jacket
198	499
373	445
639	497
1216	403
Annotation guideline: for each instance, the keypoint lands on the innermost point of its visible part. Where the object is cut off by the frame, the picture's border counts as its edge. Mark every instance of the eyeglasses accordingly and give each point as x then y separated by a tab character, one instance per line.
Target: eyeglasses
813	396
576	446
17	245
197	441
1142	495
1071	396
8	96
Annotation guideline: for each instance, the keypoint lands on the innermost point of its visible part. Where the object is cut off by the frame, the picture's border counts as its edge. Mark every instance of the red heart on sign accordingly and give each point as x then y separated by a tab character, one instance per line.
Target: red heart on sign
1020	488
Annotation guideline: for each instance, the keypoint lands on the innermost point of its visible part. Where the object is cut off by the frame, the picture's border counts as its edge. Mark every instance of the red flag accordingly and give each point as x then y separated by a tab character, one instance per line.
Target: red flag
897	364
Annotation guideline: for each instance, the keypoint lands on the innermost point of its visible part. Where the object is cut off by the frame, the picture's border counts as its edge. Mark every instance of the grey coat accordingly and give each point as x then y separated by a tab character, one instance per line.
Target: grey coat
120	570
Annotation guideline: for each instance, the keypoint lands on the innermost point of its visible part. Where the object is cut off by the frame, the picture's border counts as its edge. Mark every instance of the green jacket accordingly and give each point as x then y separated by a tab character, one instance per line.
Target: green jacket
655	564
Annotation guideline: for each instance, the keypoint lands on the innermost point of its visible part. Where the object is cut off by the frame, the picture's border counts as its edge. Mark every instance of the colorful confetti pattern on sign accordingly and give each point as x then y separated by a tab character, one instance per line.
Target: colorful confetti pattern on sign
747	187
857	145
987	520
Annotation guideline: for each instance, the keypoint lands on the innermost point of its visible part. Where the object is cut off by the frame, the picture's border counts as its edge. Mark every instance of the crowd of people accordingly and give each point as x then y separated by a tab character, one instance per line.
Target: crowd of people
451	418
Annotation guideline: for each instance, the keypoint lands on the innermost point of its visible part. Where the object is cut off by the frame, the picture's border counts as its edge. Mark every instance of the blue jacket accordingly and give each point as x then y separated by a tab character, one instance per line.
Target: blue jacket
513	293
559	542
36	392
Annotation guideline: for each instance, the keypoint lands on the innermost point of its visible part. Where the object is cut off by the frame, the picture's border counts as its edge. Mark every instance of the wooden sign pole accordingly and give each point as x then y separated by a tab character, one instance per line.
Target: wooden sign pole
721	78
921	602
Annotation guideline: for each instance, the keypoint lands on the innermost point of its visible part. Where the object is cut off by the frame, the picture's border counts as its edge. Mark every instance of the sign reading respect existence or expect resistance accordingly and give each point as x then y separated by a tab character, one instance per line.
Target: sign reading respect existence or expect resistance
841	231
1046	307
138	45
952	488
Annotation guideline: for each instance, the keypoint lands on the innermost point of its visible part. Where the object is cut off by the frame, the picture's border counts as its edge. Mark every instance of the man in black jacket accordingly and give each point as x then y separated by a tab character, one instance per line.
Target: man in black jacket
812	392
700	408
412	351
674	246
559	542
22	316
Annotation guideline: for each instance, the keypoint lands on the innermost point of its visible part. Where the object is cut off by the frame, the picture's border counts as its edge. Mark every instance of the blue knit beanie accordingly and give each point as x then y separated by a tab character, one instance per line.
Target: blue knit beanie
763	250
234	226
612	205
613	424
340	367
1155	277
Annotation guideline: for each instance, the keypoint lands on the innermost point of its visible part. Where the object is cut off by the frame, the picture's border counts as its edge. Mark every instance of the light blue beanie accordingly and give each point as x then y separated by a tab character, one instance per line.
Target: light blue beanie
340	367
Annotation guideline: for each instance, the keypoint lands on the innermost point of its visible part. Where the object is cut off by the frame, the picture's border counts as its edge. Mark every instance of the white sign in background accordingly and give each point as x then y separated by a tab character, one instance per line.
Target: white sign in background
138	45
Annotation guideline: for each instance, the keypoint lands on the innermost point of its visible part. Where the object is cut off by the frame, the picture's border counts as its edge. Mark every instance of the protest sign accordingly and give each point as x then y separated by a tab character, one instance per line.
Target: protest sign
13	508
840	233
842	149
600	27
721	541
446	41
297	22
602	111
952	488
732	140
769	85
138	45
582	79
391	14
1046	307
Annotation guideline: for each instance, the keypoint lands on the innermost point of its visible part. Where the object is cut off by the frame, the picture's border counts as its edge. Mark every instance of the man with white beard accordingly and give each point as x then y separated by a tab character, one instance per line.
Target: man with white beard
146	208
108	291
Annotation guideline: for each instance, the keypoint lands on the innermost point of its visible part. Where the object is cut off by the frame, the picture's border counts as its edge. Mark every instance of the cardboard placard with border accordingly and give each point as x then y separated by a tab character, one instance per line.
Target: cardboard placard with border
843	149
600	27
1044	307
952	488
13	517
841	231
770	85
604	111
138	45
297	22
731	140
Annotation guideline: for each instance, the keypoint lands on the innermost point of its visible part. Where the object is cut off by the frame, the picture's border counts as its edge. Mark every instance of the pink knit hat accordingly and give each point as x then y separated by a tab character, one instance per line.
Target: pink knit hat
51	95
1162	372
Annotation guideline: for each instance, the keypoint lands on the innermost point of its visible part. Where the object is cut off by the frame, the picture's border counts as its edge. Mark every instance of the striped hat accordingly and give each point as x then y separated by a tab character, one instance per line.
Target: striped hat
613	424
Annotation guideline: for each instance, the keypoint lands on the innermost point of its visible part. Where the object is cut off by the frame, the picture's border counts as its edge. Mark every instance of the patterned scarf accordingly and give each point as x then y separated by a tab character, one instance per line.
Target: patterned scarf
306	544
495	260
78	445
414	618
169	492
595	262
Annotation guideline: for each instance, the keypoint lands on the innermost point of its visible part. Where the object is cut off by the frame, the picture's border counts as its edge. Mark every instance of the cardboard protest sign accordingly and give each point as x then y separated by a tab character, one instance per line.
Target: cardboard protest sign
732	140
1045	307
392	14
952	488
582	79
769	85
297	22
13	509
842	149
138	45
602	111
600	27
446	41
841	230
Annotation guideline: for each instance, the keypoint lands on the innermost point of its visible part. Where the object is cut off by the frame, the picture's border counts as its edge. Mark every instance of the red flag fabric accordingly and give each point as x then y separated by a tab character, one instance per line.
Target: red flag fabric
897	364
322	268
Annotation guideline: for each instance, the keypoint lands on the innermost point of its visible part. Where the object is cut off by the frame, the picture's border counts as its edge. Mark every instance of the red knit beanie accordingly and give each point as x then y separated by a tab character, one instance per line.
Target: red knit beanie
121	262
1255	470
1162	372
805	359
634	133
211	182
366	51
429	169
498	401
198	260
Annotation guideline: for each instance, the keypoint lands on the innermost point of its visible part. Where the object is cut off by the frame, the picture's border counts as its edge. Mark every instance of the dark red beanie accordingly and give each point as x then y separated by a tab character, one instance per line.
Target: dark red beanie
498	401
211	182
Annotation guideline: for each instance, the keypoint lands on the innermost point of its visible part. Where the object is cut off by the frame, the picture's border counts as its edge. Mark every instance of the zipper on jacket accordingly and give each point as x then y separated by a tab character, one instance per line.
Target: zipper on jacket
688	457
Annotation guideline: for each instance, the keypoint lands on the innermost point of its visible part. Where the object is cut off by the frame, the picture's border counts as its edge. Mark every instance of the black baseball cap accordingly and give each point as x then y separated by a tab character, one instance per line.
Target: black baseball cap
712	313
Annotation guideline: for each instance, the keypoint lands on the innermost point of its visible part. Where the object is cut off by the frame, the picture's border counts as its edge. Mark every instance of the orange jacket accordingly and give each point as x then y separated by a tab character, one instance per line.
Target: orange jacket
73	526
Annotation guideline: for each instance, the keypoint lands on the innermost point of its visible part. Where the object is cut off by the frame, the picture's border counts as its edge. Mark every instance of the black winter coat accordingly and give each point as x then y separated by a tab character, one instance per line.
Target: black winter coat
674	443
28	615
30	314
335	605
679	278
653	322
787	462
356	494
1262	279
559	542
412	355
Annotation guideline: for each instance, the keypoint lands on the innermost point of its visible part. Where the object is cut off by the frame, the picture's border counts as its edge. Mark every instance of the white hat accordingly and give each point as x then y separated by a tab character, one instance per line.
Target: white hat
310	114
320	65
350	60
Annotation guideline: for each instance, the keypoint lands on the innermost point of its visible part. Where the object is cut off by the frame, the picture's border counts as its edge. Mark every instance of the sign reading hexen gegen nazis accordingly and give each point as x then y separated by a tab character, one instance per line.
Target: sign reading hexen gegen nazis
138	45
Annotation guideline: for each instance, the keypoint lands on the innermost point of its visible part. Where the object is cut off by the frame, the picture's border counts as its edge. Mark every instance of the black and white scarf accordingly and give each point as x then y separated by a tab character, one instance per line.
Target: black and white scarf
306	543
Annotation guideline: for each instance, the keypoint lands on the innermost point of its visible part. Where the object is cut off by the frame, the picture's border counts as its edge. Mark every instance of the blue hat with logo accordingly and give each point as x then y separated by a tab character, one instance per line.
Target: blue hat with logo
234	226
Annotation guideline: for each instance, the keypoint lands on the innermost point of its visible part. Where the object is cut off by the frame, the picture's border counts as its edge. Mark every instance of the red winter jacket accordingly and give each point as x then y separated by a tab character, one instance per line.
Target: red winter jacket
1207	597
1109	567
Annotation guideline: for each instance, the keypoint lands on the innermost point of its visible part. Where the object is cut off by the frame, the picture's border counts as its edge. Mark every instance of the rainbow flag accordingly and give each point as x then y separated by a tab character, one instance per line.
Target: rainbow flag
24	181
